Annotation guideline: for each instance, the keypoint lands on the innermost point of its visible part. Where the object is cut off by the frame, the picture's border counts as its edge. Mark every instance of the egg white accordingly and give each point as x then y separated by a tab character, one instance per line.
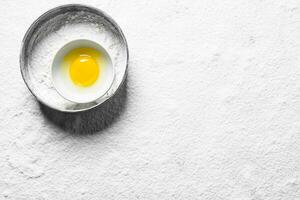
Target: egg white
66	87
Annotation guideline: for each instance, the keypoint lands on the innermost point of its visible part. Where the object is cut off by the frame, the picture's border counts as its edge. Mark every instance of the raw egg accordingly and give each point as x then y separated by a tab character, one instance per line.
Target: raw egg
82	71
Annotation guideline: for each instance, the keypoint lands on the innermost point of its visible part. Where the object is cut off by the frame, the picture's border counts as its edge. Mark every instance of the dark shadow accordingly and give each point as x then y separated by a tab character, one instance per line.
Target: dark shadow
90	121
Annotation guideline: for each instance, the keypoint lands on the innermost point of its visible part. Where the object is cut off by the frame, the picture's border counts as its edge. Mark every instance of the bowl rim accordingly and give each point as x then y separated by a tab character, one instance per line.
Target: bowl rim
34	25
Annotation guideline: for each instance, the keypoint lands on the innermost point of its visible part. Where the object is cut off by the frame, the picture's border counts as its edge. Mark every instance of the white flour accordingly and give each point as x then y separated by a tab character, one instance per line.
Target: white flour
44	51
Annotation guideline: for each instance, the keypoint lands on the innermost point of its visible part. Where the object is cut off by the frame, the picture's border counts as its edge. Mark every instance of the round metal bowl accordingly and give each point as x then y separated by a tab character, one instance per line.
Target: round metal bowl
57	27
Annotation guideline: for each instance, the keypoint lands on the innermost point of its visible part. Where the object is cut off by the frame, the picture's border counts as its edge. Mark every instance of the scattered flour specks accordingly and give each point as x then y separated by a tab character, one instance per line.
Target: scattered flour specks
212	109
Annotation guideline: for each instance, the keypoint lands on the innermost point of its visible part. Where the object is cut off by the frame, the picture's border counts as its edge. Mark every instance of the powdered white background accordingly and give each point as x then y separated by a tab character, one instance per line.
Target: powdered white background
211	111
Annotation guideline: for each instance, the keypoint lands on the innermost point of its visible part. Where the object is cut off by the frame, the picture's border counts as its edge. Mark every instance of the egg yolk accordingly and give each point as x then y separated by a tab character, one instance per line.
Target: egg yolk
84	69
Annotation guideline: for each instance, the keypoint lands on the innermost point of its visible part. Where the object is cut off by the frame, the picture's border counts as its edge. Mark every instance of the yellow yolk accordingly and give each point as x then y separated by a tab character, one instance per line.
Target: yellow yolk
84	69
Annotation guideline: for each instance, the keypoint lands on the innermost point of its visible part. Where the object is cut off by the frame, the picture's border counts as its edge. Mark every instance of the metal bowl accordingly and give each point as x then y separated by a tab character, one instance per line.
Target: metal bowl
57	27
